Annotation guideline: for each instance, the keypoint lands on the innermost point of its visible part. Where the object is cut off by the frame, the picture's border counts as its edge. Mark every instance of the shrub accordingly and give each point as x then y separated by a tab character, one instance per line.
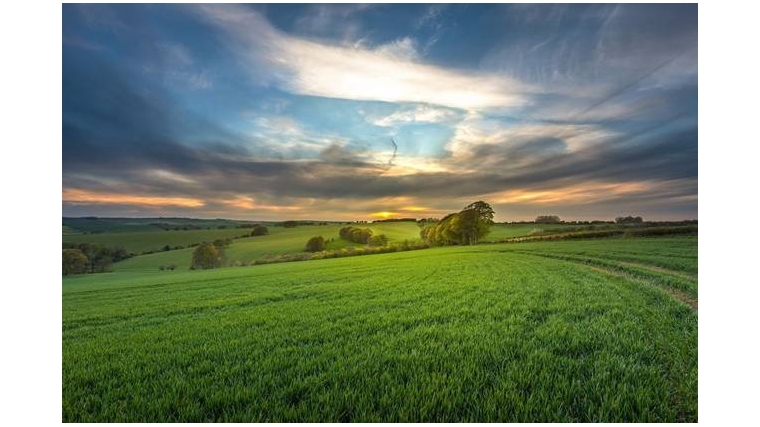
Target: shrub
378	240
315	244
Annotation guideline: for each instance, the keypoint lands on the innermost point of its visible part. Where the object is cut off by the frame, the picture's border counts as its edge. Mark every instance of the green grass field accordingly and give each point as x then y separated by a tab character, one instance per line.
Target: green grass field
597	330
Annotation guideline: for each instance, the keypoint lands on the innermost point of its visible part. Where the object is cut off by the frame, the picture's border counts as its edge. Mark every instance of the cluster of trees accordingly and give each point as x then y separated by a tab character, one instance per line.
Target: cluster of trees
315	244
209	255
466	227
629	220
548	219
356	234
83	258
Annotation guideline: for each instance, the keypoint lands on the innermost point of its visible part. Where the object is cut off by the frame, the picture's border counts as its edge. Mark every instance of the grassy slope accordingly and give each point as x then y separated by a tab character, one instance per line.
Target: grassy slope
487	333
279	241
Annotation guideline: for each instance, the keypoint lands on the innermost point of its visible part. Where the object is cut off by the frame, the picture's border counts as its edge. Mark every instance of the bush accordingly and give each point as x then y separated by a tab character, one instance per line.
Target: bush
315	244
378	240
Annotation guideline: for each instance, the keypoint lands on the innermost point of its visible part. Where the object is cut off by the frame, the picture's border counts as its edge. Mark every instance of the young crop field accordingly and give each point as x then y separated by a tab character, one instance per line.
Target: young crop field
598	330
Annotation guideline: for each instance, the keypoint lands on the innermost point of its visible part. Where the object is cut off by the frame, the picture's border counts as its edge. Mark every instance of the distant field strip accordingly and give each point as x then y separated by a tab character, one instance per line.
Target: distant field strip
485	333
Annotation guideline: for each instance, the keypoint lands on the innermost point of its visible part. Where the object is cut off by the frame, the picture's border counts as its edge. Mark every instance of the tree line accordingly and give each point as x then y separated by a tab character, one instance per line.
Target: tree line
465	227
80	258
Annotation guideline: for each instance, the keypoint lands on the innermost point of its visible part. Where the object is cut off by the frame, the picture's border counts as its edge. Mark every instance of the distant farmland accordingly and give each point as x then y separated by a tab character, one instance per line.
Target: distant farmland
279	241
591	330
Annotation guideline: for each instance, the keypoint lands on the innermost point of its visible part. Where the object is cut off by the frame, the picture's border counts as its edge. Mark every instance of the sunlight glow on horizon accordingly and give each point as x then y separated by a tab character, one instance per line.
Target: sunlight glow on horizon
73	195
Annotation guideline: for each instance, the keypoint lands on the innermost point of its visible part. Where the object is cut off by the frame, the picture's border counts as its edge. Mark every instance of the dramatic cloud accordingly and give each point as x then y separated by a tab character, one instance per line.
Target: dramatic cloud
387	73
584	111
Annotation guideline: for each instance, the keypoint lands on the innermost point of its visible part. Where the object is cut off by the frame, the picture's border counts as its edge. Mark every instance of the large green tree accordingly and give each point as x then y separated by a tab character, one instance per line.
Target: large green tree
466	227
207	255
476	220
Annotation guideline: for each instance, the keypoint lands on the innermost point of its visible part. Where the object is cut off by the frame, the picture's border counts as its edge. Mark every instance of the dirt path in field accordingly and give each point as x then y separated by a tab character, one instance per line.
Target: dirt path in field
675	293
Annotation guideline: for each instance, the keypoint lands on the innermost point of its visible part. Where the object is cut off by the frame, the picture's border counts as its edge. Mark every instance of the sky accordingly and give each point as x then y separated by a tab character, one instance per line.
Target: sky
361	112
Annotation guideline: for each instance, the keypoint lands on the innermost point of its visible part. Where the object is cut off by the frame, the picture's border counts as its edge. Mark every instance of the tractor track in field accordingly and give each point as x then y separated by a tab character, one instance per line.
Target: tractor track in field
658	269
675	293
685	298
